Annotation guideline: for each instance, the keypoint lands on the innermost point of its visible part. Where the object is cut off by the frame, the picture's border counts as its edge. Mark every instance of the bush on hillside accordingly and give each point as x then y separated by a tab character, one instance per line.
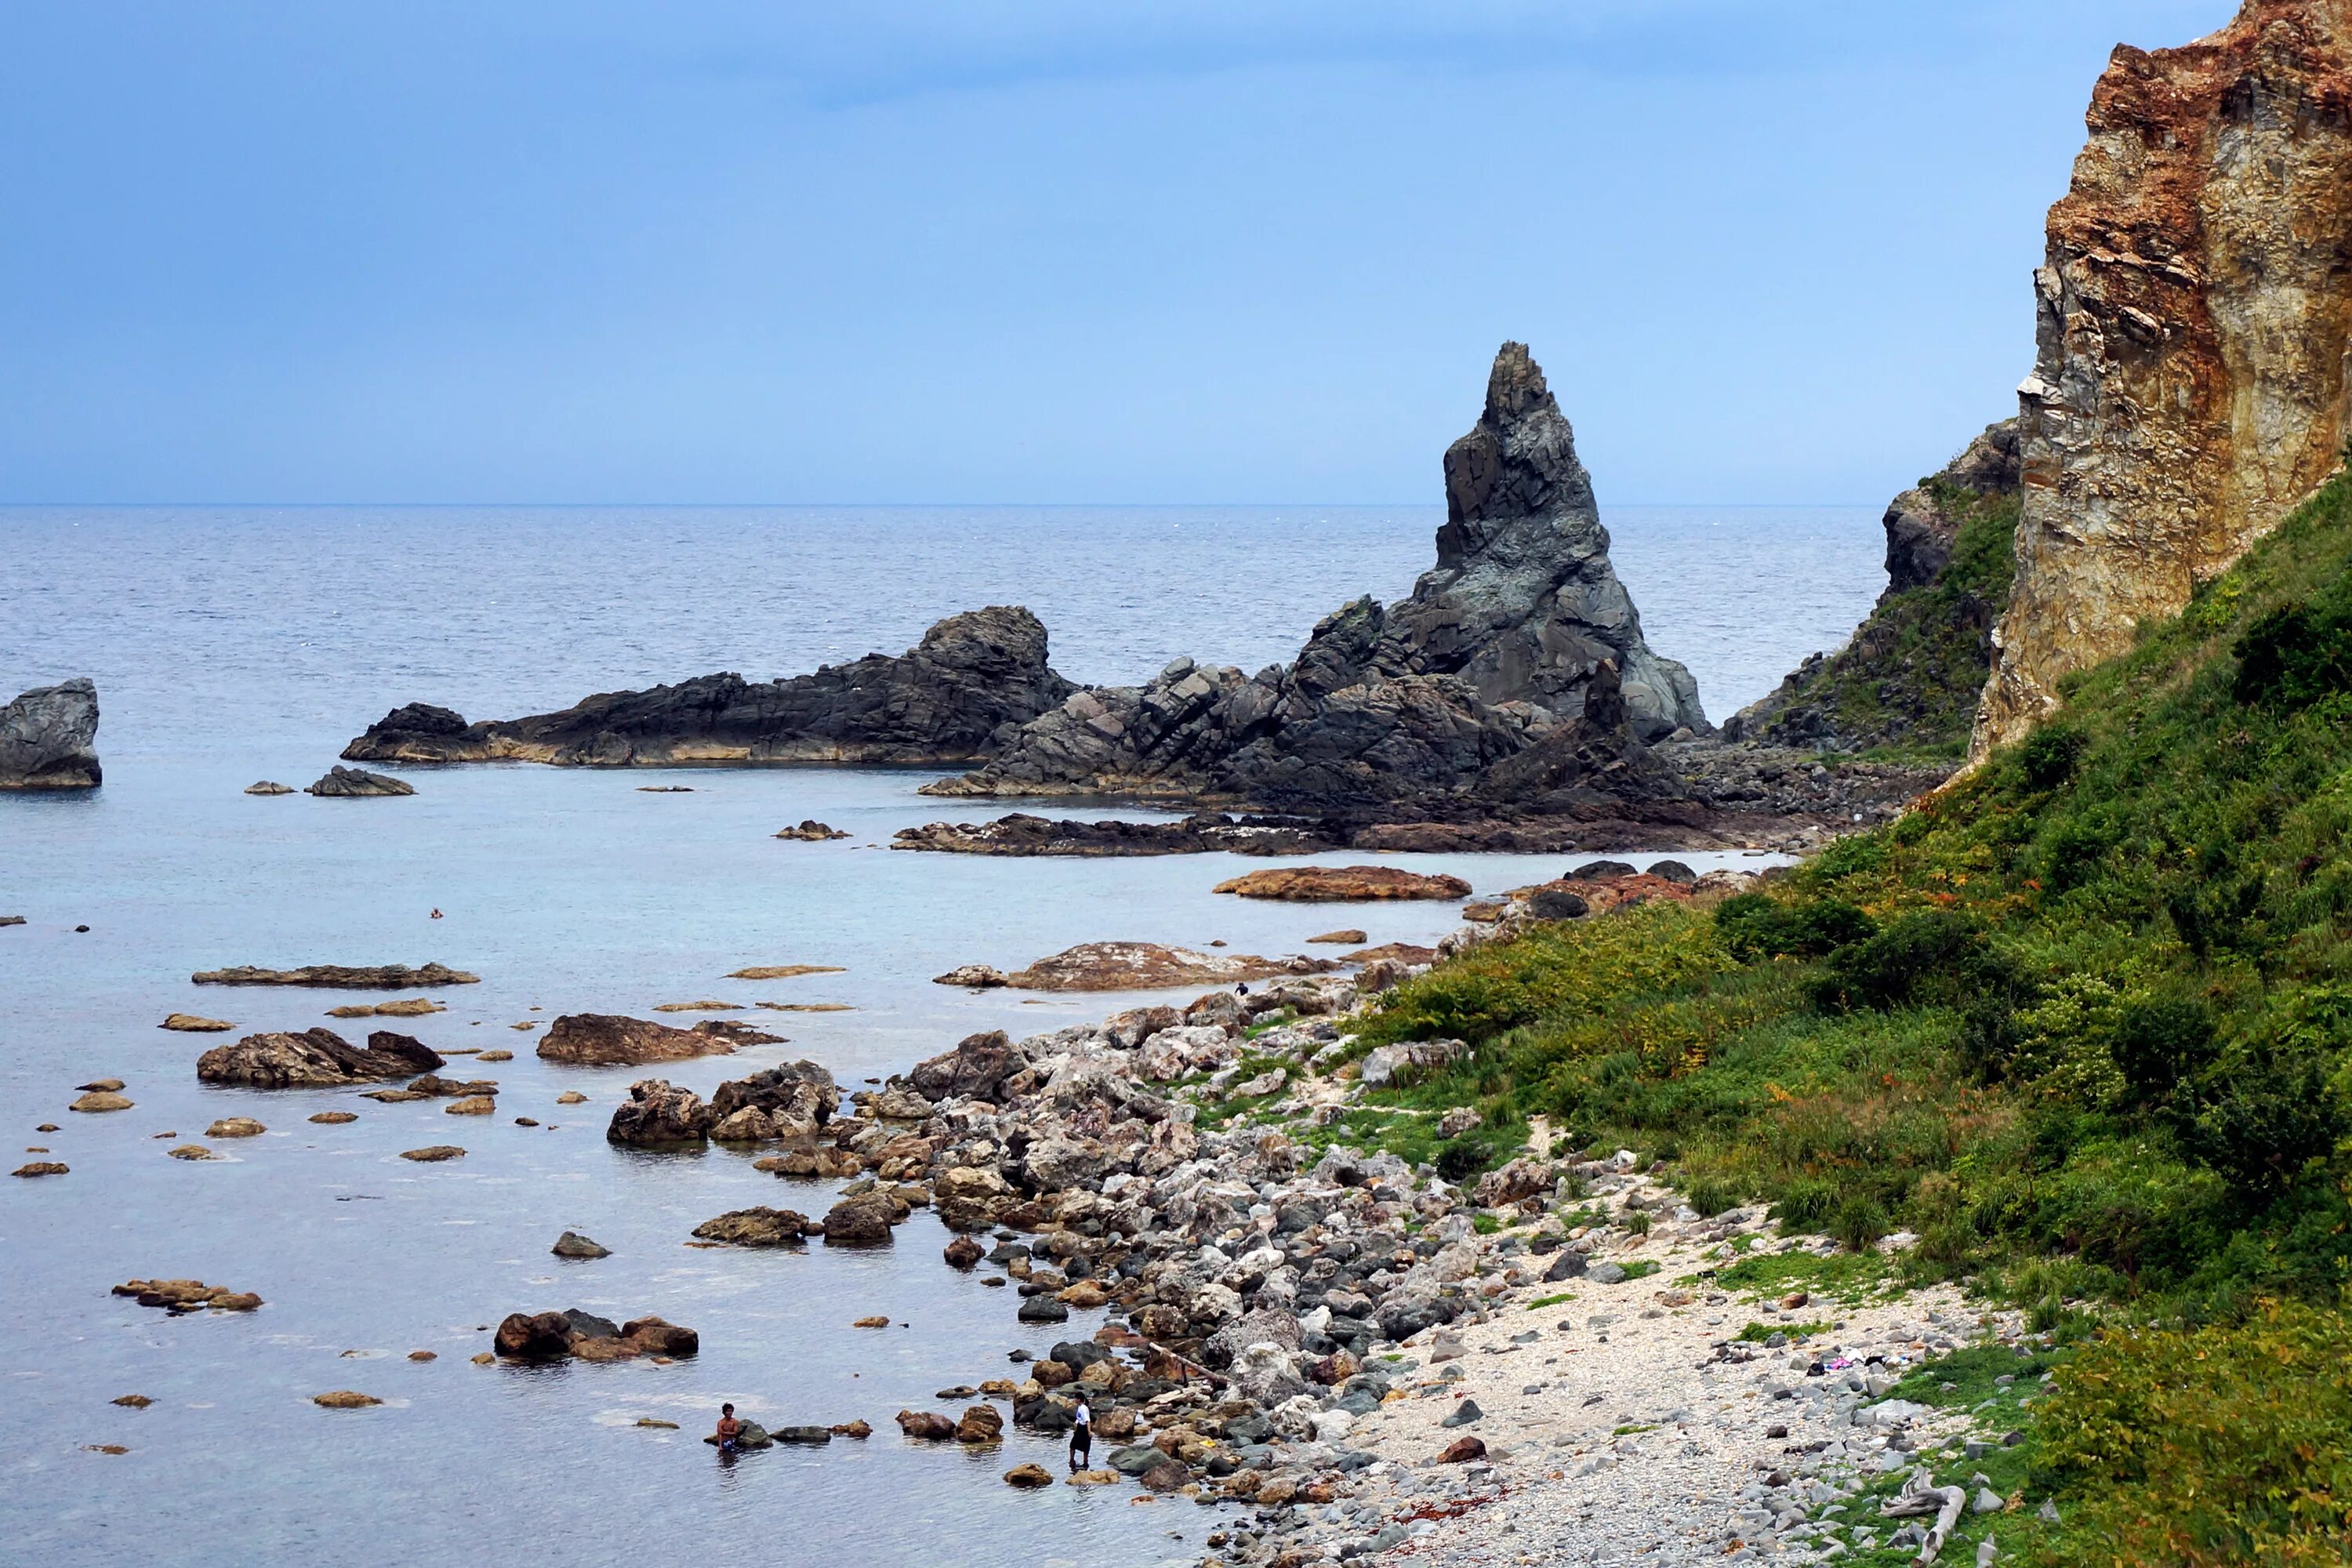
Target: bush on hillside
2190	1448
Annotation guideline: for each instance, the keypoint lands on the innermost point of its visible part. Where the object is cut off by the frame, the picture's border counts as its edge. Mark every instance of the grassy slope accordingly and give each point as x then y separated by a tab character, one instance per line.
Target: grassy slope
1907	684
2090	1036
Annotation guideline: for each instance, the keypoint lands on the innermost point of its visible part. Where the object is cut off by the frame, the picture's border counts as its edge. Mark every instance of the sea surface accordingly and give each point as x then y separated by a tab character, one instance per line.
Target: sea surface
231	644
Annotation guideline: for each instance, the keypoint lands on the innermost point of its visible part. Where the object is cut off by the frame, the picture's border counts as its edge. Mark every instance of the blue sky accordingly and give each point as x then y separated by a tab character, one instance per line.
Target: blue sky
581	251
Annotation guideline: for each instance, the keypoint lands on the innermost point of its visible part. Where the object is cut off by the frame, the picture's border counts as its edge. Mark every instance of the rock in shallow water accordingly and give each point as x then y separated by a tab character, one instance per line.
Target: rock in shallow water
315	1059
48	737
571	1243
1334	884
357	784
939	702
609	1039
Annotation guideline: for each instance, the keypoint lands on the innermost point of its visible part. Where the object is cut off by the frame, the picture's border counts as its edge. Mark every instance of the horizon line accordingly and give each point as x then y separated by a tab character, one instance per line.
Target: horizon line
848	505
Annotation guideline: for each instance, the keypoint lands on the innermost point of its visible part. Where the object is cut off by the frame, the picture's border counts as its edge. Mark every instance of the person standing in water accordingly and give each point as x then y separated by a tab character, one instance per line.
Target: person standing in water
730	1429
1082	1438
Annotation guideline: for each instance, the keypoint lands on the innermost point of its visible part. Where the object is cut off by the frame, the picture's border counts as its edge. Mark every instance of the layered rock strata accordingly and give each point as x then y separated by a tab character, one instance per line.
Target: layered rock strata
1506	639
48	737
938	703
2193	317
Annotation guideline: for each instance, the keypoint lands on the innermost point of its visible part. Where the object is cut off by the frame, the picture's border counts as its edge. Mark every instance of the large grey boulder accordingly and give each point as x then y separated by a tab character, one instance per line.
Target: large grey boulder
48	737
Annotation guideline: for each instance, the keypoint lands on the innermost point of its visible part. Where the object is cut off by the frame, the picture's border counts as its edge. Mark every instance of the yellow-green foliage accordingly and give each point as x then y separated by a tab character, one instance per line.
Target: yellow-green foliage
2208	1446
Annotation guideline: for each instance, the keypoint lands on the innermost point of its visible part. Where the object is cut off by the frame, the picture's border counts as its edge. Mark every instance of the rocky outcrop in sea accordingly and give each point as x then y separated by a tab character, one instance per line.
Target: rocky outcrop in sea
942	702
1521	622
48	737
2193	316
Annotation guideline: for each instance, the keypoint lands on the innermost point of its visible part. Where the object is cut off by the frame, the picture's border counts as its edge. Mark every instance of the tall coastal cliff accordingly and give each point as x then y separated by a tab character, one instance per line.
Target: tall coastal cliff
2195	310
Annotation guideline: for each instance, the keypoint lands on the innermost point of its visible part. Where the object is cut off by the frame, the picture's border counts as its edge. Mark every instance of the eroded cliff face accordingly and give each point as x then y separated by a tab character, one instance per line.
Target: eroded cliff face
2195	312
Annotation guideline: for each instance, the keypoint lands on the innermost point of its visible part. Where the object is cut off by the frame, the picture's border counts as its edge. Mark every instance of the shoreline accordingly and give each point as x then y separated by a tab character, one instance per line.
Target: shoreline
1274	1373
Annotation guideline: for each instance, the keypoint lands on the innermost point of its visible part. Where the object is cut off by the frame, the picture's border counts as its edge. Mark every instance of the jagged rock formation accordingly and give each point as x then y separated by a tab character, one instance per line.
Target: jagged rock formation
1522	618
939	703
48	737
2195	309
1911	675
1524	602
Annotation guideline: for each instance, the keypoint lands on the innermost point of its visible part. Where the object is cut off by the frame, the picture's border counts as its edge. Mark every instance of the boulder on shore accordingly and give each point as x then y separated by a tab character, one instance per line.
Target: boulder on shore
1335	884
357	784
48	737
609	1039
315	1059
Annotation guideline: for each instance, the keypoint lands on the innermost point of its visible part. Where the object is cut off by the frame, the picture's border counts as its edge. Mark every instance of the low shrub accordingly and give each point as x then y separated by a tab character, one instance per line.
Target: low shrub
2210	1446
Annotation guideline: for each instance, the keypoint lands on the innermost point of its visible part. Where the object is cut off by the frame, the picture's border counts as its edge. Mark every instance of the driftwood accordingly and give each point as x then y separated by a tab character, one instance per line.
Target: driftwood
1921	1496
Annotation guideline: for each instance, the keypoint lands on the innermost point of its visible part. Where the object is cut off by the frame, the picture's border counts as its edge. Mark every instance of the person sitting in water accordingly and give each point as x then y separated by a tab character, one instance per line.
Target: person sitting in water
1082	1438
730	1429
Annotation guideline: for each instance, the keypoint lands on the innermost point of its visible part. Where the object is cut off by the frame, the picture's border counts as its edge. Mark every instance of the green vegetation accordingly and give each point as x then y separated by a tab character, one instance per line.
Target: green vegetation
2082	1024
1850	1278
1640	1269
1906	688
2212	1445
1542	1302
1757	1333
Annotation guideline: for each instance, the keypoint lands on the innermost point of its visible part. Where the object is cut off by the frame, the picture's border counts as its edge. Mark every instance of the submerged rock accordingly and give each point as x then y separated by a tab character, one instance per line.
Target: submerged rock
189	1022
48	737
1149	966
341	977
315	1059
939	702
188	1295
812	831
269	786
609	1039
755	1227
1335	884
358	783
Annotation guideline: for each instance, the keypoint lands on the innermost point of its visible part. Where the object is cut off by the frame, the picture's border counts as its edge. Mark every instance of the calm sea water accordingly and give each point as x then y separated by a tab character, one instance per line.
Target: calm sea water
235	644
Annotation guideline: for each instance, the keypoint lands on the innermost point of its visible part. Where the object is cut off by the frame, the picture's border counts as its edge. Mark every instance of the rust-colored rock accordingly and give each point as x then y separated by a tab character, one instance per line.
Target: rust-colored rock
2193	314
1462	1450
928	1425
608	1039
1334	884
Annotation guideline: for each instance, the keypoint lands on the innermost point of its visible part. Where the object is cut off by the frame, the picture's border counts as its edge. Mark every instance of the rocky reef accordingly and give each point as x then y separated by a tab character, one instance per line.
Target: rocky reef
2194	312
1521	628
938	703
1910	676
48	737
